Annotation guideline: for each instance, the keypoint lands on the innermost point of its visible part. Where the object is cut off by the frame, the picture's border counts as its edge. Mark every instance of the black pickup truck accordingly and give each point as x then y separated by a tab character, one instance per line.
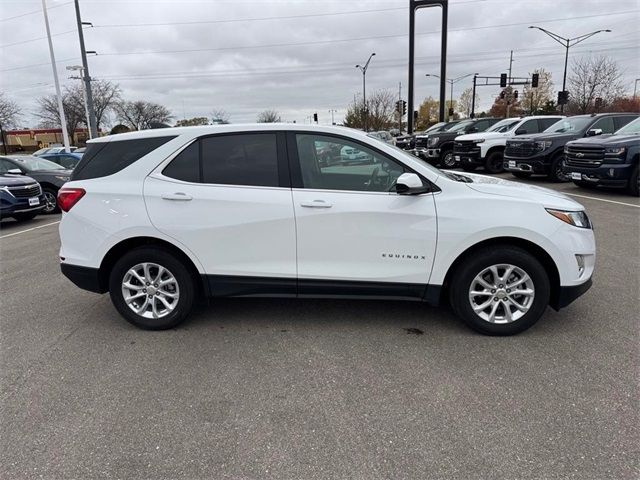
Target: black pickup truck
437	147
609	160
543	153
408	142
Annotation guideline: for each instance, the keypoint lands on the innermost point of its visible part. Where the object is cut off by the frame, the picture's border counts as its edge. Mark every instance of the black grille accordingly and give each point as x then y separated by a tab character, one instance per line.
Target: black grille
519	149
25	191
421	142
465	146
584	156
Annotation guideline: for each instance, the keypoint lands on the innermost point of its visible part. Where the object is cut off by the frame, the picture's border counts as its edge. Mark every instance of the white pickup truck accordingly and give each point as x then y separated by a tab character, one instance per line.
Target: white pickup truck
486	148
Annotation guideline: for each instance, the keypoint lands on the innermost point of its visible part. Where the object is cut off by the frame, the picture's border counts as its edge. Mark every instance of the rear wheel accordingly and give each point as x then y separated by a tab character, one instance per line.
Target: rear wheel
555	170
500	291
23	217
447	160
151	288
493	164
522	175
634	183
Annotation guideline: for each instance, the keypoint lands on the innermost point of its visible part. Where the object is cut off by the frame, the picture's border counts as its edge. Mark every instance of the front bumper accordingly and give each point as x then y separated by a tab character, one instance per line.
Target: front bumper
11	206
607	174
472	157
568	294
538	164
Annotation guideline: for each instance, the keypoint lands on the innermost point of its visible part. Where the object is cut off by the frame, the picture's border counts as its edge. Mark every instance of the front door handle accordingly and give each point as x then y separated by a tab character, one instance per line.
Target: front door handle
178	196
316	204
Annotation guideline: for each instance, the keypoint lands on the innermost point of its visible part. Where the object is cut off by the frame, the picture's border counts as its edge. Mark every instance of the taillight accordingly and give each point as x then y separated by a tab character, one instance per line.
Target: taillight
68	197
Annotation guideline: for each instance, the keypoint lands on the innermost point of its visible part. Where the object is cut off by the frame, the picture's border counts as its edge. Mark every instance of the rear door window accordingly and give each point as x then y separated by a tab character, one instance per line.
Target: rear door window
106	158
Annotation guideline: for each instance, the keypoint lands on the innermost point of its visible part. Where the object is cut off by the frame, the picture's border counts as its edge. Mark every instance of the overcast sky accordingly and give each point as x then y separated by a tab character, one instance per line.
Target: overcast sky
296	56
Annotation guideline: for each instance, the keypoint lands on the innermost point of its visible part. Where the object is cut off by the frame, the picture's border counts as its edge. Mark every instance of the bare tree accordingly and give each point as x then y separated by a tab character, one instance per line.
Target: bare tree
190	122
141	115
105	96
269	116
594	78
534	99
74	111
381	113
465	102
9	112
219	116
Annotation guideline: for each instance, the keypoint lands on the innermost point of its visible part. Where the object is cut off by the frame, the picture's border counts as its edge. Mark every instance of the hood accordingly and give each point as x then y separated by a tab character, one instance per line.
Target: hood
483	135
610	139
15	180
521	191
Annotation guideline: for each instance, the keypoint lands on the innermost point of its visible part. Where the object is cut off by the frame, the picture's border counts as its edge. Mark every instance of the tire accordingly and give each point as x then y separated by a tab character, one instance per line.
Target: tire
583	184
469	168
493	163
24	217
447	160
523	175
51	201
634	186
556	174
183	285
523	263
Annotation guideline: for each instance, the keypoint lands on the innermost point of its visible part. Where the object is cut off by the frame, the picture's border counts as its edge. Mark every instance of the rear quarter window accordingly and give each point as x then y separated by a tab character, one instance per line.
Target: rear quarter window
106	158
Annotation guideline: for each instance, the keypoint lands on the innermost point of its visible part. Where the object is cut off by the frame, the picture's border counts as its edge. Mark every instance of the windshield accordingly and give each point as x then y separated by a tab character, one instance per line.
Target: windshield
460	126
572	124
504	125
36	164
632	128
435	127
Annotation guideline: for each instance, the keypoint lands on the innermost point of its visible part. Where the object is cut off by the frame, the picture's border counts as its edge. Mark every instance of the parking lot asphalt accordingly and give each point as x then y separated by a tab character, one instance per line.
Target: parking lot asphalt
274	388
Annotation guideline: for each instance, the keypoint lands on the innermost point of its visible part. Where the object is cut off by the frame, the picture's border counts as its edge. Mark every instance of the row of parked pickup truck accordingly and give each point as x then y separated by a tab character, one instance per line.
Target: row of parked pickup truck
590	150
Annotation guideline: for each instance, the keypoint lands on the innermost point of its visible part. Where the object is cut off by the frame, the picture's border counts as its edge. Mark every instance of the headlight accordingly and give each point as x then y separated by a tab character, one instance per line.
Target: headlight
480	140
64	179
577	219
540	146
433	141
614	151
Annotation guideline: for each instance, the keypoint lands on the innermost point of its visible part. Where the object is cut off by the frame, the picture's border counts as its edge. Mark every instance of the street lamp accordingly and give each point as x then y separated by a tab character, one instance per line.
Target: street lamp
79	68
567	43
451	82
363	69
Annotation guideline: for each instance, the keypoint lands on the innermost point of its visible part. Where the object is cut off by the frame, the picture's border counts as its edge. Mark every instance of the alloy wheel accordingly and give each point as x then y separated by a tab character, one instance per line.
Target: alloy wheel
501	293
150	290
50	202
448	160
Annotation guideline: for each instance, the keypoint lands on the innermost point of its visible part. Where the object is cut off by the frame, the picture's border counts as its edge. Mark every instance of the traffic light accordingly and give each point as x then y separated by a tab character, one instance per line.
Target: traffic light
503	94
563	97
415	116
534	80
503	80
398	106
515	95
315	117
450	112
404	107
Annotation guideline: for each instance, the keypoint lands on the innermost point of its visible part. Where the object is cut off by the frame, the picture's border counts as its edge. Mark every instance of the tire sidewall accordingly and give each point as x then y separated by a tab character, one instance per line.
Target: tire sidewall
633	183
55	194
479	261
556	165
492	165
452	162
176	267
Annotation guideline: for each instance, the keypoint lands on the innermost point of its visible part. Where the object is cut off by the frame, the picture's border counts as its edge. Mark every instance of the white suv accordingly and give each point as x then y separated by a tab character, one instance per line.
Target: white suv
160	217
487	148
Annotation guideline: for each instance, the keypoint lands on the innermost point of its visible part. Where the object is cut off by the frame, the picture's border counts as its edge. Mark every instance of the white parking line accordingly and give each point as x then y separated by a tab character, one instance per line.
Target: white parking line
29	229
602	200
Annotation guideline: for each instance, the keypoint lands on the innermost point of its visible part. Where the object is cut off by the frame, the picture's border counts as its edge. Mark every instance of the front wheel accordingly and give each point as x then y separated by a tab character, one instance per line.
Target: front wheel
493	163
50	201
447	160
151	288
555	171
500	291
634	183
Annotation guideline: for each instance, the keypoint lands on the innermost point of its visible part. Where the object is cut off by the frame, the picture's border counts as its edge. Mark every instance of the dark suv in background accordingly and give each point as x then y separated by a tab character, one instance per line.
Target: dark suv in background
408	142
543	153
437	147
20	197
609	160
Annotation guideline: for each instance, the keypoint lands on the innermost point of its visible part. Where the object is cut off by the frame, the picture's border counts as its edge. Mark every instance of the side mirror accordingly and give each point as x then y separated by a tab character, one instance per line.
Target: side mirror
592	132
14	171
410	184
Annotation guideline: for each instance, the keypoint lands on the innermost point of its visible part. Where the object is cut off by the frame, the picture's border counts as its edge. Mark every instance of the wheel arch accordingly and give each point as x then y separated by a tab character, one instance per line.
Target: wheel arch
538	252
120	248
495	148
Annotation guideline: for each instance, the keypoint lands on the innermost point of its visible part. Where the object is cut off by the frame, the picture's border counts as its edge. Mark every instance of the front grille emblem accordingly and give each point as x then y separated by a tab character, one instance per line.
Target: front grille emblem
579	154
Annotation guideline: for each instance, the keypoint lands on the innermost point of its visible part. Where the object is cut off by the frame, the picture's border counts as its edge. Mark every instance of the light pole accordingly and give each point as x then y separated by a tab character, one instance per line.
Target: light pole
451	82
84	92
363	69
567	43
332	111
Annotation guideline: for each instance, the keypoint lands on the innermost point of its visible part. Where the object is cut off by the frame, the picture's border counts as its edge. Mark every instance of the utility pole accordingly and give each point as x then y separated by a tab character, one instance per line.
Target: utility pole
363	69
509	84
332	111
84	94
93	127
473	97
635	87
400	102
4	139
63	120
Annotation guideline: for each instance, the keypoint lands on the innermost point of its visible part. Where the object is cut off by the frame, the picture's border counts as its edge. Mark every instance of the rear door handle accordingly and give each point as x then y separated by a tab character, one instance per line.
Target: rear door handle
177	196
316	204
